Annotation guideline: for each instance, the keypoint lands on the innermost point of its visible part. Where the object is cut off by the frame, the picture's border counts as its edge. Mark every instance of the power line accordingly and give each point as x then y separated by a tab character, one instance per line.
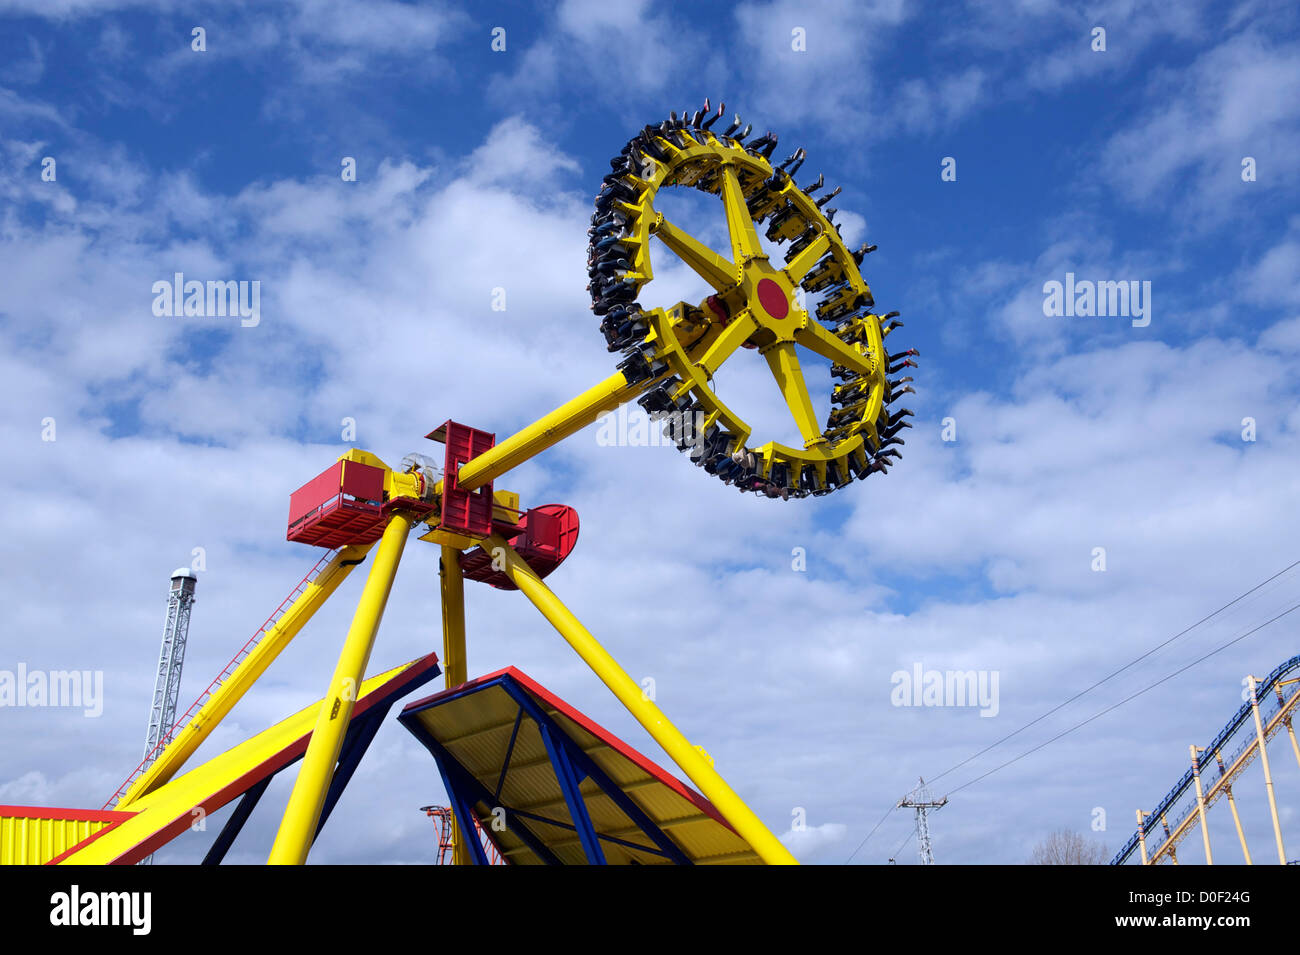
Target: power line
1116	673
870	834
903	844
1134	696
1094	686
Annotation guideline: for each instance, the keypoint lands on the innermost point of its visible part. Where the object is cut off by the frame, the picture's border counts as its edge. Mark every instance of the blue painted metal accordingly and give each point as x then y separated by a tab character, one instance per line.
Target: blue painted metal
561	824
360	734
1204	760
510	750
464	791
608	786
571	786
570	764
226	837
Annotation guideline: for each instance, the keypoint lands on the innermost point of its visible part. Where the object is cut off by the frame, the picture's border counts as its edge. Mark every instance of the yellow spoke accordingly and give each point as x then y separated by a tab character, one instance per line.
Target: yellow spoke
728	340
789	378
818	339
806	259
706	263
744	240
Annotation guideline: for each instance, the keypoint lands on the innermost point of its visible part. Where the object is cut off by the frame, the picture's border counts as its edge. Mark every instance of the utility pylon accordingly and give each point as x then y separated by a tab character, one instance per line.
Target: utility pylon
922	800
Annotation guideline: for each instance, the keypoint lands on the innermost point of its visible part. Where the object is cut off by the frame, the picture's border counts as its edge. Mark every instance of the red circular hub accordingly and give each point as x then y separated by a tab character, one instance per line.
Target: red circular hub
773	299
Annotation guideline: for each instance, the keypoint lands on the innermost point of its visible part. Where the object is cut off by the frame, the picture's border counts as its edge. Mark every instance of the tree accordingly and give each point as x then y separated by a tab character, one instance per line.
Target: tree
1068	848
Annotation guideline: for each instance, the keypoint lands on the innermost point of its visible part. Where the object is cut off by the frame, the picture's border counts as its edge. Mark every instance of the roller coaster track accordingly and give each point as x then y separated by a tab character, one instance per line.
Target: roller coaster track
1216	763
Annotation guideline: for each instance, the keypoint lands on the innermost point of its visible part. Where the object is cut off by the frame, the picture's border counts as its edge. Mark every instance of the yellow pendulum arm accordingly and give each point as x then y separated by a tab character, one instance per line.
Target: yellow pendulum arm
552	429
276	638
455	667
302	815
700	770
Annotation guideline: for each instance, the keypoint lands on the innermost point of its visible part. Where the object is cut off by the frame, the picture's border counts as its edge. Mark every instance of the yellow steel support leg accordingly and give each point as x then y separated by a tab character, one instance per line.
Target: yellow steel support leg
454	663
1241	835
276	638
692	763
1200	803
1290	730
1268	774
301	816
1142	837
555	427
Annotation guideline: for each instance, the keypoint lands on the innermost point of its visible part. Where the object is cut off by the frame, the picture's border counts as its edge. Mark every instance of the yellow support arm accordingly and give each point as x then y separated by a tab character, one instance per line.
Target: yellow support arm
205	788
565	420
275	639
302	815
670	738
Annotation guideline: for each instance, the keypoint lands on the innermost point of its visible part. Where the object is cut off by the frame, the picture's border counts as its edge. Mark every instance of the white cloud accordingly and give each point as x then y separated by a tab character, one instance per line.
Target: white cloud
1238	99
811	843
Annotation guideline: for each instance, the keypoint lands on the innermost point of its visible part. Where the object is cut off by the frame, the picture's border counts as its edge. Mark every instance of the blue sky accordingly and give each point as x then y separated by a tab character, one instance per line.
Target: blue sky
475	171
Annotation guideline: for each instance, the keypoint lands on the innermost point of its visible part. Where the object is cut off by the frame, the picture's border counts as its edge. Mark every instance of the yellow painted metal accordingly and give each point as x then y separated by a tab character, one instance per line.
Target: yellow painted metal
740	227
1268	774
361	456
570	417
276	638
1222	786
696	339
1142	838
784	363
301	816
454	662
1236	821
448	539
35	840
629	693
702	260
505	506
478	731
1200	803
205	788
1290	730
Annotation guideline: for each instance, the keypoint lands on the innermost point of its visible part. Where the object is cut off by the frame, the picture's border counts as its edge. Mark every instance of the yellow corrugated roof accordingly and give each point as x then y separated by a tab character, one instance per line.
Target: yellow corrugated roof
474	723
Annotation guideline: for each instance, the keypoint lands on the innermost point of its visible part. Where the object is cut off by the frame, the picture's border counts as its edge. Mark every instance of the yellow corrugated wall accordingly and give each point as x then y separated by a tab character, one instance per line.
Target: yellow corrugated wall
28	841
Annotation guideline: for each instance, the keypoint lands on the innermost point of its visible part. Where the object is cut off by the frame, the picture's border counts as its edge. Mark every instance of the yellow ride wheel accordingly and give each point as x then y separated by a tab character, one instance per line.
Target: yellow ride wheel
676	350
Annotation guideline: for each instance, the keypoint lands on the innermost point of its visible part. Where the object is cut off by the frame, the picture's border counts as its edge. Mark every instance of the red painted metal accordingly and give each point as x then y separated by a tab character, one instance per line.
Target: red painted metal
773	299
342	505
464	512
544	537
441	816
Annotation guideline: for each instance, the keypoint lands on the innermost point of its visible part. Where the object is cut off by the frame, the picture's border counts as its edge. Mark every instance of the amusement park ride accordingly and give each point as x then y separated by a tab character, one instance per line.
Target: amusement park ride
532	777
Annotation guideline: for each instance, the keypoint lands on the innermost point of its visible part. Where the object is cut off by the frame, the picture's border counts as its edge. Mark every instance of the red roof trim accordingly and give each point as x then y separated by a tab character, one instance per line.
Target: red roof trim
53	812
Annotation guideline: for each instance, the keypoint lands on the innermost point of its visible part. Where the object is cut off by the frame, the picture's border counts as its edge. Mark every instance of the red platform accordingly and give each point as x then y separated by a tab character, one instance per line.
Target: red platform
342	505
544	537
